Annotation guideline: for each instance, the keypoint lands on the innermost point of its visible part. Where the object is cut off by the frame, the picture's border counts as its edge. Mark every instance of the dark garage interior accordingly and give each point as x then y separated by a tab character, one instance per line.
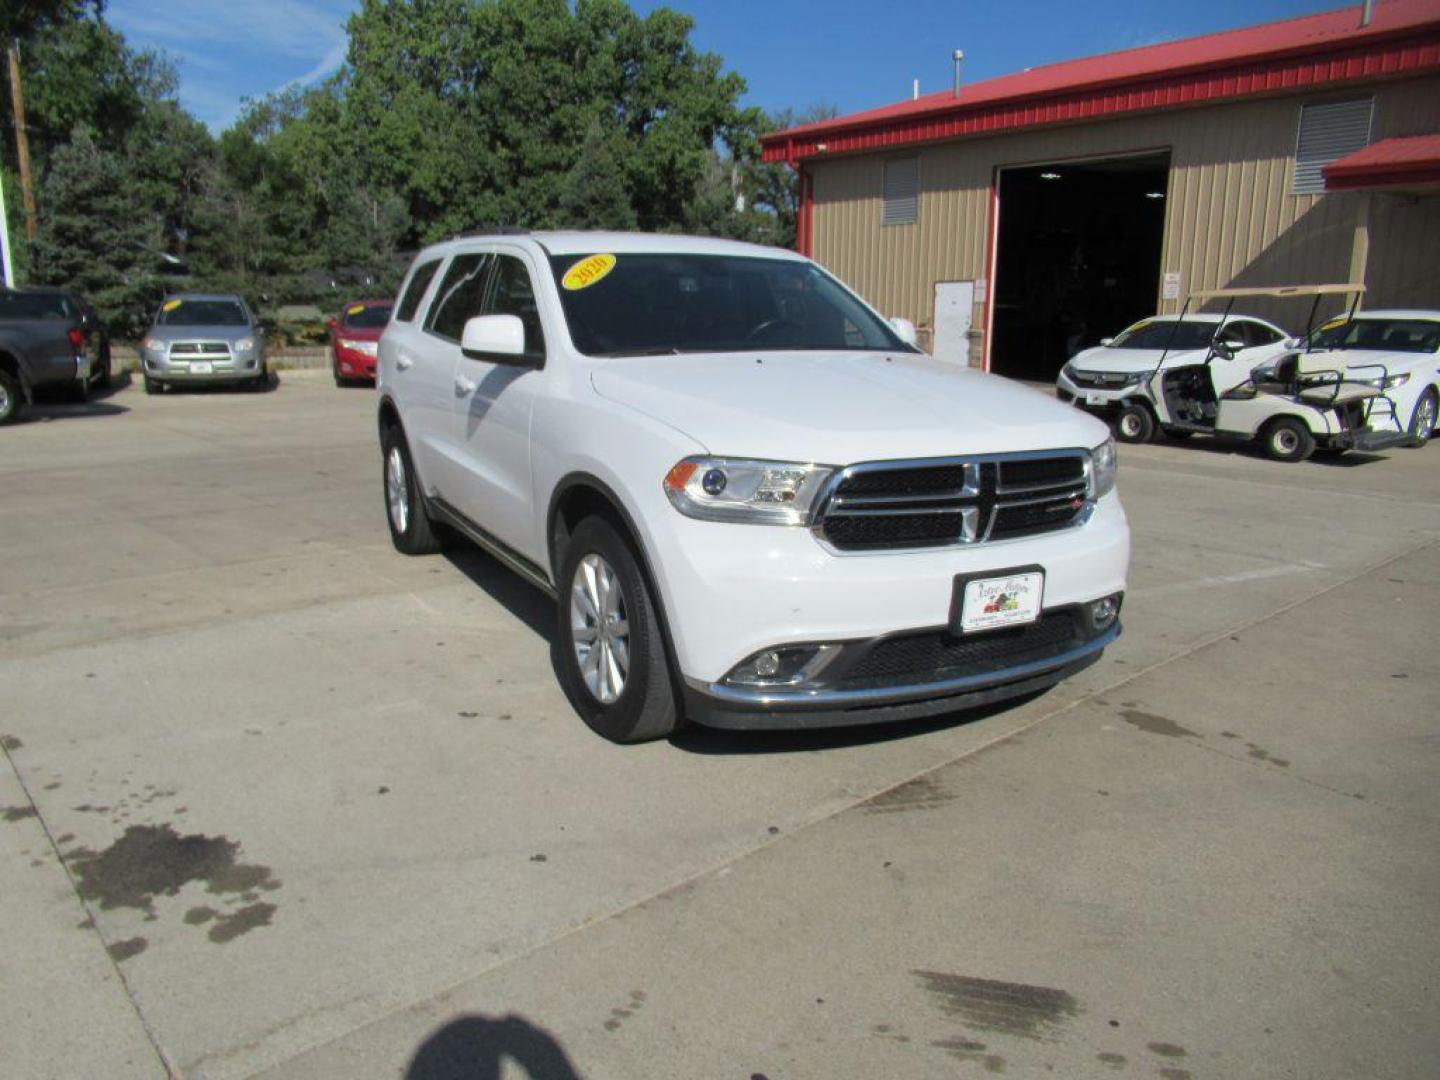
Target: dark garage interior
1078	258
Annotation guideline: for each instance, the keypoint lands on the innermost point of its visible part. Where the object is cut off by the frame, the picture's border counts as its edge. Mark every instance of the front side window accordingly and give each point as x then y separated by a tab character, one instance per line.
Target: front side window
512	293
459	297
682	303
202	313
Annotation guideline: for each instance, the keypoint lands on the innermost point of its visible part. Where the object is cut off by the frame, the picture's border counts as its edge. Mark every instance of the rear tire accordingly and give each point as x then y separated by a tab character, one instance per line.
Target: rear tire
1422	420
1288	439
153	386
410	527
1135	424
612	651
12	398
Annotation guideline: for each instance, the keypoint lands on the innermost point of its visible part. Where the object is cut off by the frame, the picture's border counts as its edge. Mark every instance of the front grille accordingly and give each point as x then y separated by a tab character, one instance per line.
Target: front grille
200	348
1099	380
936	655
897	505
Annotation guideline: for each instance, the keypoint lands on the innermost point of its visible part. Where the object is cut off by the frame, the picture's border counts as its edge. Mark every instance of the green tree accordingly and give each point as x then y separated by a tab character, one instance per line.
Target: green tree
593	195
92	240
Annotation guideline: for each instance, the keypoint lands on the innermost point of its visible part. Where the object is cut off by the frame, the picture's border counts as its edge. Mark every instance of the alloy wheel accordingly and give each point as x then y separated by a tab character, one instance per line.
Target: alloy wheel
396	496
600	628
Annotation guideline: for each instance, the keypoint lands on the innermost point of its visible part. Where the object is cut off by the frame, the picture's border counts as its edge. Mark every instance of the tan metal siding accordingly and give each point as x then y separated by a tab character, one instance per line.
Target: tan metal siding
1230	217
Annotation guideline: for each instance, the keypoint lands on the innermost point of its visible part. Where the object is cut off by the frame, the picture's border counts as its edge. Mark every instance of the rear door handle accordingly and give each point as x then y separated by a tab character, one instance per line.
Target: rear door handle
403	362
464	386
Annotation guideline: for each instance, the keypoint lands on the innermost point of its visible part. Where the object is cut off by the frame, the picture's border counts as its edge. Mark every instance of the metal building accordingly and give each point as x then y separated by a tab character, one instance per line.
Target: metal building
1019	219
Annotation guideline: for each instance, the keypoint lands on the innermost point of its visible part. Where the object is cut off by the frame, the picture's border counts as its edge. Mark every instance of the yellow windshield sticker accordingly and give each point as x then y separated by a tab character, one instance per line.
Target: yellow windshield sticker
588	271
171	305
1138	326
354	309
1341	321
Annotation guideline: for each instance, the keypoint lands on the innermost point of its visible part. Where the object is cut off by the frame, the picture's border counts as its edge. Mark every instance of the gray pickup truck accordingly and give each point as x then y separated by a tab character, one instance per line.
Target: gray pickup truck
42	348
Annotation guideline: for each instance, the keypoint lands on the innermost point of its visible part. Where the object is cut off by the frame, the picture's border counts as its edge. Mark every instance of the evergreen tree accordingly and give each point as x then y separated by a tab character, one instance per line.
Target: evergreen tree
593	195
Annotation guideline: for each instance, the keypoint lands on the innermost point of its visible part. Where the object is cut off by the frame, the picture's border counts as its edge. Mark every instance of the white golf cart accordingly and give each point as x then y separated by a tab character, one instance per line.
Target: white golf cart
1290	404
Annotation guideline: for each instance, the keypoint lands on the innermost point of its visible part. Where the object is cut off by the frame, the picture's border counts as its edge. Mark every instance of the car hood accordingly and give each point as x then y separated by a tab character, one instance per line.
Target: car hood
359	333
841	407
200	333
1133	361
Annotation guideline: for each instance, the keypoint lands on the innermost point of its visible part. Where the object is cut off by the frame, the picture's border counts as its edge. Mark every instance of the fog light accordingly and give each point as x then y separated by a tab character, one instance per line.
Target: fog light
790	666
1103	612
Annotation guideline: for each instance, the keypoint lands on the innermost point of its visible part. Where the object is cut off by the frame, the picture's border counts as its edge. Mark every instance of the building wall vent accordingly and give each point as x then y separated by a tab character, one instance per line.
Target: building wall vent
1327	133
901	192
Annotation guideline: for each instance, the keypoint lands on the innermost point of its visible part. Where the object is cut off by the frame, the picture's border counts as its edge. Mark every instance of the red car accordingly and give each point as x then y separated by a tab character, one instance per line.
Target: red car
354	339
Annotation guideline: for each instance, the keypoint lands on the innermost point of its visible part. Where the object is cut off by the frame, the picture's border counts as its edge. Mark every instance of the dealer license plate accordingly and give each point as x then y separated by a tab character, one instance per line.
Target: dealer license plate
992	603
201	367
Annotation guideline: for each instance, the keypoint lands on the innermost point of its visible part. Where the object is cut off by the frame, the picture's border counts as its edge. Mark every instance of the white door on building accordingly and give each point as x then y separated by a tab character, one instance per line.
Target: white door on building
954	305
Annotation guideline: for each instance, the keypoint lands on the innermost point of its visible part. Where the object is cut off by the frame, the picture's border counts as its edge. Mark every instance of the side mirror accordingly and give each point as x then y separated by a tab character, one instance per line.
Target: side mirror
1292	343
1106	340
1225	350
904	330
500	338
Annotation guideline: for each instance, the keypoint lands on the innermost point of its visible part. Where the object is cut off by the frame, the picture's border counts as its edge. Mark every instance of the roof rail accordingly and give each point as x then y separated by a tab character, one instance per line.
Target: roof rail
492	230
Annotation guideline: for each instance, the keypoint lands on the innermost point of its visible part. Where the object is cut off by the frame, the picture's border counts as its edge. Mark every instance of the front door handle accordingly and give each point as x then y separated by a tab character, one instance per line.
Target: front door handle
403	362
464	386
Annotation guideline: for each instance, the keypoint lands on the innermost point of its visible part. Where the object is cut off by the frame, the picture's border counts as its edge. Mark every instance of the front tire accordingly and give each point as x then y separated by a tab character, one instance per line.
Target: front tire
1422	420
411	530
1288	439
612	650
1135	424
12	398
153	386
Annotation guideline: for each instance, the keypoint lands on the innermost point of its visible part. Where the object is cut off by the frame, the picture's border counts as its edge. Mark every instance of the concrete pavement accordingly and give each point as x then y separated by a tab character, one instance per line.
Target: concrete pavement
323	811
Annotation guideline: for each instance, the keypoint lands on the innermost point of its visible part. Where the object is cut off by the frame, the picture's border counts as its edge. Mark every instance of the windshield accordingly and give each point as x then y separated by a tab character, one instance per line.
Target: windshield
14	305
202	313
367	318
1157	335
628	305
1388	335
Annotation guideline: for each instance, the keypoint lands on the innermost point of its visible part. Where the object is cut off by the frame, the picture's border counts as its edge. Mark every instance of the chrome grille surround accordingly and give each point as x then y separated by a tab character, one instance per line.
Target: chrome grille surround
903	505
1100	380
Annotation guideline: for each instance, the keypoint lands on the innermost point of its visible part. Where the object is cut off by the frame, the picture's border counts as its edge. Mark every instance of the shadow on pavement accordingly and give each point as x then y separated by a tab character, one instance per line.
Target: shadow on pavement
478	1047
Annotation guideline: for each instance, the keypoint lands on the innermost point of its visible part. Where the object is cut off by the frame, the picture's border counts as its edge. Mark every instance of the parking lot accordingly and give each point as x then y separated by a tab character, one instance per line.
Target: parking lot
280	801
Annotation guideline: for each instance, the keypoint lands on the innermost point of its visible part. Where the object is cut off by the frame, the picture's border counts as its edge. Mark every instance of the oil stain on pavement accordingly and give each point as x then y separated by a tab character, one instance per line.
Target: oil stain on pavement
1032	1012
1155	725
922	793
154	860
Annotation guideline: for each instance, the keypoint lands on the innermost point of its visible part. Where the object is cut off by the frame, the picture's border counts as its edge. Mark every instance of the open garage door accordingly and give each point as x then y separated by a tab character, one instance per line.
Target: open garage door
1077	259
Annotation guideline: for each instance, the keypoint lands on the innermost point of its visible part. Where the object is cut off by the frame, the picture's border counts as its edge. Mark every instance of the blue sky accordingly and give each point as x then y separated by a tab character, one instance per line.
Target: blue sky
849	53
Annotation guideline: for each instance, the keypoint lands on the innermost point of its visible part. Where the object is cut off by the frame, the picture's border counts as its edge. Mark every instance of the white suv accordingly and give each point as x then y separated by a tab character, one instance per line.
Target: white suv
756	503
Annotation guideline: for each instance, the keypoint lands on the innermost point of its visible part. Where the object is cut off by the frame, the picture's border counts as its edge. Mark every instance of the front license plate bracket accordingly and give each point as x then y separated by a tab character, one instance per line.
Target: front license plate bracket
996	599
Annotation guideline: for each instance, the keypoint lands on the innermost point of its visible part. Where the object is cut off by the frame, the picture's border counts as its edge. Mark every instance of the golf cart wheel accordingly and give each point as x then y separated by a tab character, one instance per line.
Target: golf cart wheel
1422	420
1135	424
1288	439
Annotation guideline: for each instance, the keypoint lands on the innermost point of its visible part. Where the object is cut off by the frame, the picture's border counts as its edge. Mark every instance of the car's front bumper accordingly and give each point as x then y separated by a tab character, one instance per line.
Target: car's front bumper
731	590
352	364
234	368
1104	402
884	701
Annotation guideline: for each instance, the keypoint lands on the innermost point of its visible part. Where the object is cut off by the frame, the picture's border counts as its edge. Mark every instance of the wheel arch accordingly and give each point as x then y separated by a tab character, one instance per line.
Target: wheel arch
579	495
387	415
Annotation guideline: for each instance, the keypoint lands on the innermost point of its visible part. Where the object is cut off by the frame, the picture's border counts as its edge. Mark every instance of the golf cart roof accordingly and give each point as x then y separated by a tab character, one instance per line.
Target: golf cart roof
1276	290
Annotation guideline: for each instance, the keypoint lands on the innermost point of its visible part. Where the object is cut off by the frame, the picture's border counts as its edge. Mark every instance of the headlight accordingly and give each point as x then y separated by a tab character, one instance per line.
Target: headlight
1102	469
753	492
153	344
1136	379
1397	380
1068	372
245	344
369	348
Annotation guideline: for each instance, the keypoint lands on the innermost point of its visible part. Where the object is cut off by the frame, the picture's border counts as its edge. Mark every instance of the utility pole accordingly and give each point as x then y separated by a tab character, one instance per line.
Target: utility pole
22	143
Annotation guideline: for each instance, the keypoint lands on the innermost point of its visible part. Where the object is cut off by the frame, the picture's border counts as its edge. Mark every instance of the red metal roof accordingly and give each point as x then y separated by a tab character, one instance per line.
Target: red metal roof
1403	38
1387	163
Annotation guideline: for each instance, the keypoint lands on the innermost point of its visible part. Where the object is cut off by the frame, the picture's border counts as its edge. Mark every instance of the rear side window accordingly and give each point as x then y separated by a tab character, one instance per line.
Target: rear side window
419	282
459	298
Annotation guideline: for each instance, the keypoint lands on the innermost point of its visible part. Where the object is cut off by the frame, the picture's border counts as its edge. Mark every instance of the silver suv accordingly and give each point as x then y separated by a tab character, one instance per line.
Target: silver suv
204	338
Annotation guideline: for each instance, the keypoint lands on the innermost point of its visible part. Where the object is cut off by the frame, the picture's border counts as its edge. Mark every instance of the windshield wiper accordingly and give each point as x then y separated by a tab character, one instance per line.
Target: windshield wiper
664	350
